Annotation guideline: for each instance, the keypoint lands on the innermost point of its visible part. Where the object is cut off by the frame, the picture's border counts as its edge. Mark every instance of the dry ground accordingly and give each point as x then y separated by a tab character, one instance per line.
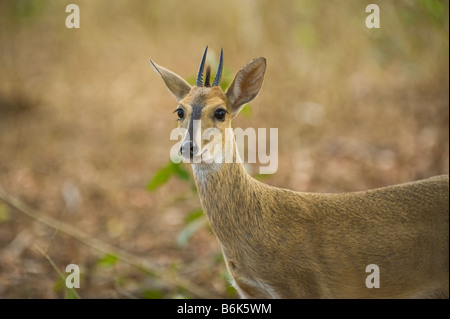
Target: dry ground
85	123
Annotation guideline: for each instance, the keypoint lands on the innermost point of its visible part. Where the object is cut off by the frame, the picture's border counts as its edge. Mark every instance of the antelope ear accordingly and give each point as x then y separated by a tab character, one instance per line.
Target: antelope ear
176	84
246	85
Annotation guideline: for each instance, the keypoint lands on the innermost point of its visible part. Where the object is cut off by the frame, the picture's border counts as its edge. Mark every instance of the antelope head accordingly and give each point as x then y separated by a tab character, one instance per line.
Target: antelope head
205	112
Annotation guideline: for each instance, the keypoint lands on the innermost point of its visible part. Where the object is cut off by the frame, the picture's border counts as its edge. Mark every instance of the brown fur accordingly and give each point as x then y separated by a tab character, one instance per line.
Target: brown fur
279	243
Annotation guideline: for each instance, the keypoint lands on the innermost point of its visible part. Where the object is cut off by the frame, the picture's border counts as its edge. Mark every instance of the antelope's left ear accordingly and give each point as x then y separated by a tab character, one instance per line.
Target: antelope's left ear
246	85
176	84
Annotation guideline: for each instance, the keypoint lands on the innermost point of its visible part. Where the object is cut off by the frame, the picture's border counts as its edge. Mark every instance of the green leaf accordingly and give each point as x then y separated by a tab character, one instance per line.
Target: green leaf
108	261
161	177
153	294
181	172
191	79
218	258
260	177
246	110
196	214
4	213
187	232
230	291
27	9
164	174
70	293
59	284
227	77
435	9
307	36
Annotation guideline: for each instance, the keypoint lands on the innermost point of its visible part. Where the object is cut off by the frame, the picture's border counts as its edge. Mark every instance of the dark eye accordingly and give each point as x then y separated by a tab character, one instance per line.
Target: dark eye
220	114
180	113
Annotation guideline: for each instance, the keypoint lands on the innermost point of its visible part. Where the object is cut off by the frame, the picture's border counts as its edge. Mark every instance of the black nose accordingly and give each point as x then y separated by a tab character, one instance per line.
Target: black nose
191	146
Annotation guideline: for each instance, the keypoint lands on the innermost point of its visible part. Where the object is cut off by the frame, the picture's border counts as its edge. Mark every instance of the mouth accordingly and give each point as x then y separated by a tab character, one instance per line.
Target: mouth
191	158
201	157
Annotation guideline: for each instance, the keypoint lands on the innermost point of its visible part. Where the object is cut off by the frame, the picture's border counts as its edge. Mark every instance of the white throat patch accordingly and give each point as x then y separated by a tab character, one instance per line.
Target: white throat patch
203	170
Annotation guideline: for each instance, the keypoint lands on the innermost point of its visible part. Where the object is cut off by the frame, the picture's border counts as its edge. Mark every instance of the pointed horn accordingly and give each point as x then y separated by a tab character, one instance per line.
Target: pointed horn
200	70
219	70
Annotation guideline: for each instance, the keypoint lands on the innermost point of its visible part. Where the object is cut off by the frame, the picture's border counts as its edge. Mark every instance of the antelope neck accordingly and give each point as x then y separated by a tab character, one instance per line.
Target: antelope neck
214	176
221	186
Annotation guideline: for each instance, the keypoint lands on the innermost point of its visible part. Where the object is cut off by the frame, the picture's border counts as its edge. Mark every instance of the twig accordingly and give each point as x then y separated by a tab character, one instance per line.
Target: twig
60	274
143	265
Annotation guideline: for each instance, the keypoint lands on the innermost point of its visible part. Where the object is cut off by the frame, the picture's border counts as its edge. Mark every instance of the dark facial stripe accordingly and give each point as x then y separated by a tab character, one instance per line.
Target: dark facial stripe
196	115
196	112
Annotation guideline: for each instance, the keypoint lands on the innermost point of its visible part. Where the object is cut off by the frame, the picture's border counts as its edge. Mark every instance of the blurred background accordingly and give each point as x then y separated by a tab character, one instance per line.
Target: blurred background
85	176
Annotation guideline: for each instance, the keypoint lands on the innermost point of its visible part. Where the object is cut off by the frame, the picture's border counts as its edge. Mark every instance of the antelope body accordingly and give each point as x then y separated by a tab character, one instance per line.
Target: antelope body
278	243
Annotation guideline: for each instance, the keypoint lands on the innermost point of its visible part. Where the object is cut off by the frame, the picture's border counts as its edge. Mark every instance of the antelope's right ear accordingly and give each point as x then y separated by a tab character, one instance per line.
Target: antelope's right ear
176	84
246	85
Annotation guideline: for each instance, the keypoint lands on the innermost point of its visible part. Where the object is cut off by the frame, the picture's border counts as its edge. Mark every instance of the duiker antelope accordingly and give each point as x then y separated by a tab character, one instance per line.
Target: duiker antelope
279	243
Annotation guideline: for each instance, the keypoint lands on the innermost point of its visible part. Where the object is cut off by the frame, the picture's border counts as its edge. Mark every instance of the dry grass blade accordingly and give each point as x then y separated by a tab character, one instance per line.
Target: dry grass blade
60	274
143	265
